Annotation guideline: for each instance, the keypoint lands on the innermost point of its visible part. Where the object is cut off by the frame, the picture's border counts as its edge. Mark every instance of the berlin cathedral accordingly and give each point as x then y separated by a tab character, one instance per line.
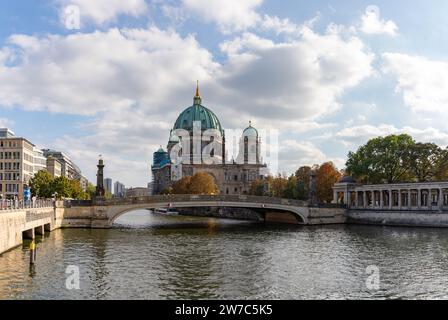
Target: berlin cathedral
183	157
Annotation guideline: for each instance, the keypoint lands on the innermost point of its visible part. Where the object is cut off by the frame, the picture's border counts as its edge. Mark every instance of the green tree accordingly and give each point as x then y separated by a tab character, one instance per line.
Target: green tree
41	184
257	188
303	175
426	158
76	191
90	191
442	166
382	160
291	190
62	186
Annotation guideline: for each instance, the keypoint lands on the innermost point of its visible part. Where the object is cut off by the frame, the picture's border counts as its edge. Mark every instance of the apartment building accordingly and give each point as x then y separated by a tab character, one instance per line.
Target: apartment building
16	164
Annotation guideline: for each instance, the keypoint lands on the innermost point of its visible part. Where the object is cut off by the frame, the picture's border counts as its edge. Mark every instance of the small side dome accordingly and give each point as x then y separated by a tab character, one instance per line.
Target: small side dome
250	131
160	150
347	179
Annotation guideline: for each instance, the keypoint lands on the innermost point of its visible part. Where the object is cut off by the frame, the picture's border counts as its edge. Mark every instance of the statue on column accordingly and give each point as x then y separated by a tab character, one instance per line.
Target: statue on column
100	191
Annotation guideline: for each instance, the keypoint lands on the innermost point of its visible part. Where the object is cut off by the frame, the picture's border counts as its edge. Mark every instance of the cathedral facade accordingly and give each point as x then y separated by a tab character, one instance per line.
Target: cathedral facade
197	143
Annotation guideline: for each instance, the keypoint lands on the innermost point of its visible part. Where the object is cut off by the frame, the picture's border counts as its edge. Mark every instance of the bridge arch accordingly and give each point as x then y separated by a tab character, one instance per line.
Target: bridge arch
280	211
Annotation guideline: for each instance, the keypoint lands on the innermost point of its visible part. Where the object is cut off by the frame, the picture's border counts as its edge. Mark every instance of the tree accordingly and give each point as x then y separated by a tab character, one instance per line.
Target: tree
203	183
442	166
303	175
326	176
76	191
278	186
63	187
291	191
382	160
90	191
41	184
257	188
425	160
182	186
167	191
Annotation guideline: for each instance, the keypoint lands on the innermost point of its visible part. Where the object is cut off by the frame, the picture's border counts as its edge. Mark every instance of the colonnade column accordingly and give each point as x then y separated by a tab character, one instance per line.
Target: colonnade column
391	197
364	199
419	198
409	199
399	199
440	200
381	199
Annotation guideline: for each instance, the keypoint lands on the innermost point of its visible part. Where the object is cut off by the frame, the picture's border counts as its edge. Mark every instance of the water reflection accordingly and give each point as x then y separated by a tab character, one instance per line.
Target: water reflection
171	257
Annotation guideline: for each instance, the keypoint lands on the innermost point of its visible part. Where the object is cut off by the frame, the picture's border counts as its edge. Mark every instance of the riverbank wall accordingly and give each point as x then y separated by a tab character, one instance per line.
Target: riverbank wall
436	219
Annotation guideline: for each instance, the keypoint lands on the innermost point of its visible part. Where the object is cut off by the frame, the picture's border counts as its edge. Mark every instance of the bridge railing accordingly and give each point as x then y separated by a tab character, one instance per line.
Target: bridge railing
22	204
186	198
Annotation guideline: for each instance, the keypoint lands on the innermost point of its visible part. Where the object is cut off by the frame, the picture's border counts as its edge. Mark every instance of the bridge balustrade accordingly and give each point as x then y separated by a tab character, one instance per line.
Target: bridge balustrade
9	204
186	198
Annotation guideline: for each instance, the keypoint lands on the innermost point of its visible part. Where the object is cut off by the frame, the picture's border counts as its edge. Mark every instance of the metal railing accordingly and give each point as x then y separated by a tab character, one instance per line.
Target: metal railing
23	204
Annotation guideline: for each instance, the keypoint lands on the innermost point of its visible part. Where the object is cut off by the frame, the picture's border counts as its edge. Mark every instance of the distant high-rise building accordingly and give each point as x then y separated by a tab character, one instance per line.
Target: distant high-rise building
108	185
119	189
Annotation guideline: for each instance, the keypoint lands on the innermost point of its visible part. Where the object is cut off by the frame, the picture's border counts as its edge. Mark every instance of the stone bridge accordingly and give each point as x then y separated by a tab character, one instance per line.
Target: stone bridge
103	213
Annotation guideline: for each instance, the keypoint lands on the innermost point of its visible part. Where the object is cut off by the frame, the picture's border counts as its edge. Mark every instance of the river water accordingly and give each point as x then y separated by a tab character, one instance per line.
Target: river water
159	257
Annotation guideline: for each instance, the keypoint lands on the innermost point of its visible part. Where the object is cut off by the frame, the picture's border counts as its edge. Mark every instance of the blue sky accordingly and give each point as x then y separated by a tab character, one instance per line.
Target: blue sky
328	75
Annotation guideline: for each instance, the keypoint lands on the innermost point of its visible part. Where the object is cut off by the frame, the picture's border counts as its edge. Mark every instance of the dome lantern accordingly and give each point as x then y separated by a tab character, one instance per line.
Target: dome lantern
197	100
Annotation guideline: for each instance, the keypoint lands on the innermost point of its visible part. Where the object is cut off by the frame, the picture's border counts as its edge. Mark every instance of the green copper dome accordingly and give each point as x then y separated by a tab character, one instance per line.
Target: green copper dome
250	131
197	112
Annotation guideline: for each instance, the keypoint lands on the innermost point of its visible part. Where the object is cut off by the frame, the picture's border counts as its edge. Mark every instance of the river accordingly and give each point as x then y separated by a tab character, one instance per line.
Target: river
150	256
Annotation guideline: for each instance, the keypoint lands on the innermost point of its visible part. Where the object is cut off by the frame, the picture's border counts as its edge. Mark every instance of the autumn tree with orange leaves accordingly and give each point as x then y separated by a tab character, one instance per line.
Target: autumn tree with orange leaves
326	176
200	183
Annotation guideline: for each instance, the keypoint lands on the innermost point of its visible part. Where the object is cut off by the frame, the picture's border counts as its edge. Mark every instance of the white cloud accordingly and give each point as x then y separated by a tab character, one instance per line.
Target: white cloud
6	123
82	74
301	79
361	134
104	11
294	154
422	82
229	15
280	25
373	24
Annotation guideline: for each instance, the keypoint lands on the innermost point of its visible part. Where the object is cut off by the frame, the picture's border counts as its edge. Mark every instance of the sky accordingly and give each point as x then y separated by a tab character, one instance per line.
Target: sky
110	77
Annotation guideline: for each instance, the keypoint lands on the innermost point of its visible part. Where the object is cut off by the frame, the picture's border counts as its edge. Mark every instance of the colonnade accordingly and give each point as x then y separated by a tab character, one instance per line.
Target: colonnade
415	196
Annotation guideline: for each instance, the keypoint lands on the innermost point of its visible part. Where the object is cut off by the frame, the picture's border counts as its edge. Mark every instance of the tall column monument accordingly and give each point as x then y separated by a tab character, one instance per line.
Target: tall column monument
100	192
